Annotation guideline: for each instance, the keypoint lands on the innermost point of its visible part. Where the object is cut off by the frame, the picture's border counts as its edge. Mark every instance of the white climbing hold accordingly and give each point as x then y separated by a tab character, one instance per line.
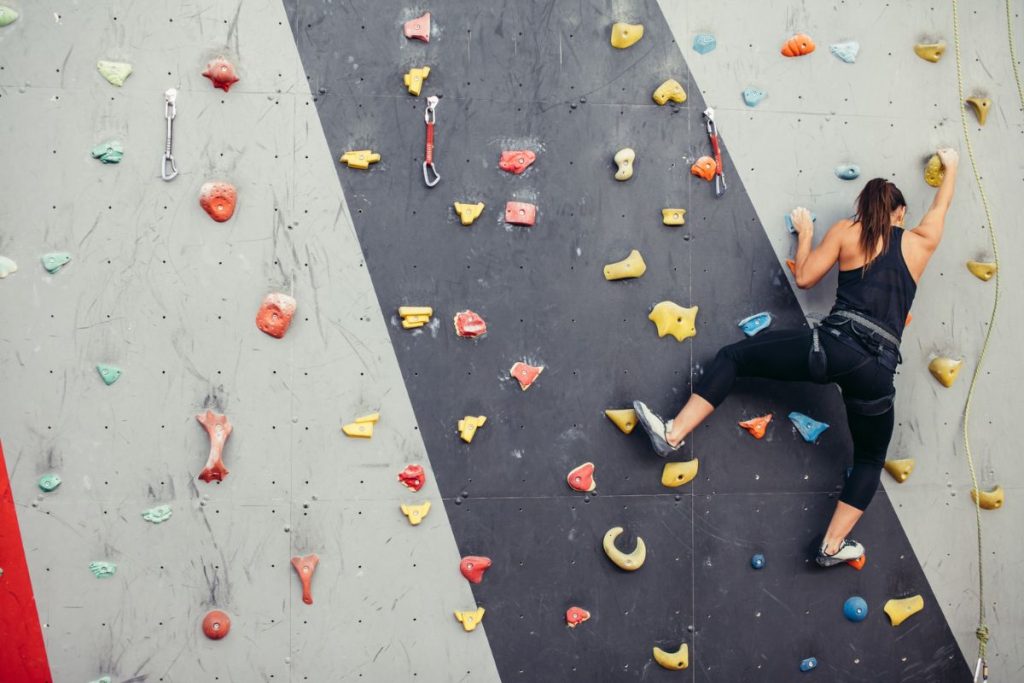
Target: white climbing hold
846	51
7	266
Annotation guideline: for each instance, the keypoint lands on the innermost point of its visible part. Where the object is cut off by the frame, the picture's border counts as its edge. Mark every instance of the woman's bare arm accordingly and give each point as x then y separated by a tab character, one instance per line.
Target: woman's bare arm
813	264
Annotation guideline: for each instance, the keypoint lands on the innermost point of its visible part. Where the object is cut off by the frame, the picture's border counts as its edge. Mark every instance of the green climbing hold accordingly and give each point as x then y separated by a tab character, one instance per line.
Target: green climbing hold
102	570
49	482
55	260
109	373
7	15
115	72
161	513
109	152
7	266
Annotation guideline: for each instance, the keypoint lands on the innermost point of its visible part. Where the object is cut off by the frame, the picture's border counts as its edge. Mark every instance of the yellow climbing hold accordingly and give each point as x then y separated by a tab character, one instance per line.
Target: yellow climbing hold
416	513
623	419
470	619
930	51
669	90
468	426
933	171
981	270
414	79
901	610
360	158
415	316
671	318
624	159
631	266
675	661
362	427
624	35
989	500
900	469
469	212
981	106
673	216
945	370
630	561
678	473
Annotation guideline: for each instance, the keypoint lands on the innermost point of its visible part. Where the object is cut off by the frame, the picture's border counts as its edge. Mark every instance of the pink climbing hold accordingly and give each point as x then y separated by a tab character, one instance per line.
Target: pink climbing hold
219	429
218	199
574	616
216	624
305	566
520	213
275	314
516	161
526	374
418	28
222	73
473	567
582	478
413	477
469	324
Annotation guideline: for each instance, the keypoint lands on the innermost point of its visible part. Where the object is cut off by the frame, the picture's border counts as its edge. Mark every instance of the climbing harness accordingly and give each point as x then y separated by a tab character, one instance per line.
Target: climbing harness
854	328
720	186
430	175
168	170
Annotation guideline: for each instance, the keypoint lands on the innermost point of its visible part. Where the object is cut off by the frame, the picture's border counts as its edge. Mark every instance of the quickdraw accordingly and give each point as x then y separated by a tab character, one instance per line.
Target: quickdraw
430	175
720	185
168	169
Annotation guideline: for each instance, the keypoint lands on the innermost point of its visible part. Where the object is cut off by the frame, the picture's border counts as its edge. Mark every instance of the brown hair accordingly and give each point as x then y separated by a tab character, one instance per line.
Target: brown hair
875	205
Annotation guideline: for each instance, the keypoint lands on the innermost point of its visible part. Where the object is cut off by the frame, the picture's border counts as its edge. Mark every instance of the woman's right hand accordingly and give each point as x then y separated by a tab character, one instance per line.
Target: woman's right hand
949	157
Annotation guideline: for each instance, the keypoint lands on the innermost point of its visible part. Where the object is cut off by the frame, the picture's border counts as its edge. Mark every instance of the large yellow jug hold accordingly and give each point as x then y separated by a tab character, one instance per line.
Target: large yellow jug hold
669	90
945	370
989	500
930	52
981	270
624	35
933	171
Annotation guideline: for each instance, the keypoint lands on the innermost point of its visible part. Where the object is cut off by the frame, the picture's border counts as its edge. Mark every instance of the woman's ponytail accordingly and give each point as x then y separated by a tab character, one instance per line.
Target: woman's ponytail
875	205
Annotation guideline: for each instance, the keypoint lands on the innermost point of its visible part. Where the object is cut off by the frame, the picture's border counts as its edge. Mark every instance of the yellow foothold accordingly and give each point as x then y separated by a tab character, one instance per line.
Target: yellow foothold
631	266
414	79
930	51
416	513
671	318
669	90
412	324
624	159
468	426
678	473
945	370
362	430
988	500
469	212
624	35
623	419
629	561
360	158
470	619
406	311
372	417
901	610
981	106
675	661
900	469
982	271
933	171
673	216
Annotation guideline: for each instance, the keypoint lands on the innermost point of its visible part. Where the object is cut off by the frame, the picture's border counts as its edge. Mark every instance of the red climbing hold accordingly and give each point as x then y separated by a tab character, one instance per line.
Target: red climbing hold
520	213
791	264
222	73
413	477
574	616
218	199
469	324
705	168
797	46
418	28
516	161
757	425
216	624
219	429
526	374
275	314
305	566
473	567
582	478
859	563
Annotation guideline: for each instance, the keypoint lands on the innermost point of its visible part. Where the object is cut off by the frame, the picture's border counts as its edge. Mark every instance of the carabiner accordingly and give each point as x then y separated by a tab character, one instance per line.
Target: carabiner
168	169
430	175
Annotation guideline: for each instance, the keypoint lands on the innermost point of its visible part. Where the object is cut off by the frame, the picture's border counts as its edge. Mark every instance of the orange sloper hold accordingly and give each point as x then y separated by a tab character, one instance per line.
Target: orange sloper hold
526	374
757	425
797	46
705	168
791	264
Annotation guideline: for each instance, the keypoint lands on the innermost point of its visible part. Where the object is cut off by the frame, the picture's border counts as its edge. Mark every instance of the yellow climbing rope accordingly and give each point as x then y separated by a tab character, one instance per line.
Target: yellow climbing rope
1013	54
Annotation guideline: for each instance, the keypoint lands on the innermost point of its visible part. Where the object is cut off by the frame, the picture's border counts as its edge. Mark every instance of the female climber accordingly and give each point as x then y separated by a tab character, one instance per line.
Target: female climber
856	346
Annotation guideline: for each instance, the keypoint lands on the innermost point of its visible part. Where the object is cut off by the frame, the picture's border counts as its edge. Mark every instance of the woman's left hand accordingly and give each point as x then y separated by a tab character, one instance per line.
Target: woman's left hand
801	218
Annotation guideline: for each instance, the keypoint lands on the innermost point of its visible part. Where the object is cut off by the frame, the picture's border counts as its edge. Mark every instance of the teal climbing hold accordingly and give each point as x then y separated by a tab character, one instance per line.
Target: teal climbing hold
7	15
846	51
855	608
753	324
109	152
704	43
161	513
109	373
7	266
49	482
808	427
757	561
789	221
809	664
752	96
55	260
102	679
848	171
102	570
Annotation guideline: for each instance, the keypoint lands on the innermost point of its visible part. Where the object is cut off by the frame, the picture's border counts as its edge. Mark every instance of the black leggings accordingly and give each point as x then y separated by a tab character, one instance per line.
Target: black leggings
782	355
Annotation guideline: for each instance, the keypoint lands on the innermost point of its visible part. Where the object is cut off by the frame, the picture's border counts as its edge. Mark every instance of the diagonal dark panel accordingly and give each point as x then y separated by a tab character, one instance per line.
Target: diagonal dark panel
542	75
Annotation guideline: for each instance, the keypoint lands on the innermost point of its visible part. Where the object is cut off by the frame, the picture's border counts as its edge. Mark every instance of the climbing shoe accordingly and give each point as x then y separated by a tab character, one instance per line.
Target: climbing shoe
848	550
656	429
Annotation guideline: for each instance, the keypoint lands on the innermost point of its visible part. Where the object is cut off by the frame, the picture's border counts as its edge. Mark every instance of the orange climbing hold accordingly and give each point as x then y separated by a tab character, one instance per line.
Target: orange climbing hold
218	199
859	563
222	73
219	429
275	314
797	46
705	168
757	425
216	624
520	213
791	264
516	161
582	478
574	616
305	566
474	566
526	374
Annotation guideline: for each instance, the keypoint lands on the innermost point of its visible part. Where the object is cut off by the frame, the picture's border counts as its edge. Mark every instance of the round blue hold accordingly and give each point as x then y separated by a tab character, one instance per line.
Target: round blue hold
855	609
757	561
809	664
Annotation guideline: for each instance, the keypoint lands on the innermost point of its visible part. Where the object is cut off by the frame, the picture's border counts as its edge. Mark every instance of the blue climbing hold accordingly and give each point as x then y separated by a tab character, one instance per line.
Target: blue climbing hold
704	43
789	221
757	561
56	260
809	664
855	608
753	324
808	427
109	373
846	51
753	96
848	171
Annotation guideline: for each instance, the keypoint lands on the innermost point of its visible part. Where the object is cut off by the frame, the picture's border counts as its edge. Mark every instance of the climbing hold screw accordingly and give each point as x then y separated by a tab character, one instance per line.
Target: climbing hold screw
114	72
674	661
757	561
672	319
988	500
275	314
797	46
704	43
49	482
855	608
630	561
216	624
624	35
221	73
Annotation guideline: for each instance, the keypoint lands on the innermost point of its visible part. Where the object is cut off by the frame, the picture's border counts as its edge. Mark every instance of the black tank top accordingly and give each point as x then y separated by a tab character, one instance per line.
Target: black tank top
885	292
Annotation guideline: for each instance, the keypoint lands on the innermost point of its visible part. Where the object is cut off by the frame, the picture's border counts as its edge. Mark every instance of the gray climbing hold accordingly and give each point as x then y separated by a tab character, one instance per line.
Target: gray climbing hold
109	152
846	51
161	513
49	482
7	266
55	260
704	43
848	171
102	570
115	72
7	15
753	324
808	427
109	373
789	221
752	96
